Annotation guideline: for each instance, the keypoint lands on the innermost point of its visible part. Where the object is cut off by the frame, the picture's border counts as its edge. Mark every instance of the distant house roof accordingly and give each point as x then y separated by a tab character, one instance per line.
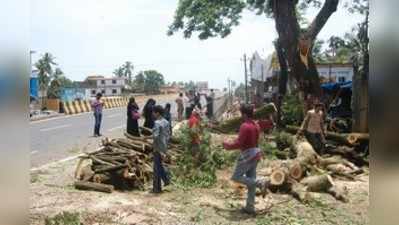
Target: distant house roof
100	77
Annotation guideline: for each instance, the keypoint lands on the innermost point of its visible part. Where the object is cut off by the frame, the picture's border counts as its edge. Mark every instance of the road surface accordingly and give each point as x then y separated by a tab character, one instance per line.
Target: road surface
61	137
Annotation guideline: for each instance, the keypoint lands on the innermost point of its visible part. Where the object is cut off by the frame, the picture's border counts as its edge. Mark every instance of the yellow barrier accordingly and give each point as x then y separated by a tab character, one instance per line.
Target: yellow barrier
88	106
71	108
107	103
76	104
66	108
83	106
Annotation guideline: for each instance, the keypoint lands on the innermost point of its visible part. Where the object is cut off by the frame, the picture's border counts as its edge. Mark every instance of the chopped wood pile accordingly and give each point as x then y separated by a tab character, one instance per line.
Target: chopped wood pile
122	163
310	172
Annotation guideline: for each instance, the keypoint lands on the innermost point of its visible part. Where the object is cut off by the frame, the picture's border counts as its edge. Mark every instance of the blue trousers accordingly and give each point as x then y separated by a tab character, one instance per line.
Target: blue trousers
160	173
97	123
245	173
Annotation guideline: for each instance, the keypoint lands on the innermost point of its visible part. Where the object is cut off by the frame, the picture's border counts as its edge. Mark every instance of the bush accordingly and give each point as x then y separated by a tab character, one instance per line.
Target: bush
201	172
292	110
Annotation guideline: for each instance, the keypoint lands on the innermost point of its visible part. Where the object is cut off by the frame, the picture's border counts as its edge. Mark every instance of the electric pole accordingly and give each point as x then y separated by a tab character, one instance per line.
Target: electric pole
246	79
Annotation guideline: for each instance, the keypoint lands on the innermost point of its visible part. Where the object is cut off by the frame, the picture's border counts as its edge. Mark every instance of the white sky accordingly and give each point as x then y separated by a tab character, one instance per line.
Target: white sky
96	36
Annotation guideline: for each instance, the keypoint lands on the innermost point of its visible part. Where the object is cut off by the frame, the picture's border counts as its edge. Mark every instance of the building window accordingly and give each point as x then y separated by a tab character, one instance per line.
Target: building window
102	81
341	79
103	91
113	81
93	92
114	91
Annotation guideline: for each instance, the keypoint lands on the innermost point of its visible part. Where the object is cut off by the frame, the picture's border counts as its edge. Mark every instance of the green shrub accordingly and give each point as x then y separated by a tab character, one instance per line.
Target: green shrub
292	110
200	172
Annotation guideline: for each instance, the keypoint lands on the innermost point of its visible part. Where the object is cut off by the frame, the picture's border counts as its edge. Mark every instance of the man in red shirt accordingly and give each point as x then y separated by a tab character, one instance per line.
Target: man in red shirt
245	170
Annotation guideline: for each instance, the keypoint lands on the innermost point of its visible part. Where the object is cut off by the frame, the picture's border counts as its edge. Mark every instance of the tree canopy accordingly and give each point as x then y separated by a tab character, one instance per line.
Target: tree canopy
149	81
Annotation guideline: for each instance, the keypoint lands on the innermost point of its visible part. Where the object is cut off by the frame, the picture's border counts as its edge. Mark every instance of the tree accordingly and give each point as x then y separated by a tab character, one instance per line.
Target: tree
45	70
119	72
54	91
153	81
128	71
217	18
139	82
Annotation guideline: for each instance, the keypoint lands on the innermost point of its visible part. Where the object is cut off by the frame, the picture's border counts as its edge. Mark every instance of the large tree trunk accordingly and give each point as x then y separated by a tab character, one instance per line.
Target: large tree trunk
282	79
290	34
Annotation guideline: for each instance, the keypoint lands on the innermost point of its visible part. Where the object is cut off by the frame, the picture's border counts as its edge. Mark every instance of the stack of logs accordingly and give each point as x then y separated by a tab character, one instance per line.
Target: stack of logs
123	163
309	172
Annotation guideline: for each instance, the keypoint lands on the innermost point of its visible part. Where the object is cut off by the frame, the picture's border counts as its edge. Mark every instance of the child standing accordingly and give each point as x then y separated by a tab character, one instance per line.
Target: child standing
161	135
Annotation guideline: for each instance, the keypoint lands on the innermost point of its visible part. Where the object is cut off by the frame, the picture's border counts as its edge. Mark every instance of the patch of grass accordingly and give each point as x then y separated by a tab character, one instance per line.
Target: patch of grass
64	218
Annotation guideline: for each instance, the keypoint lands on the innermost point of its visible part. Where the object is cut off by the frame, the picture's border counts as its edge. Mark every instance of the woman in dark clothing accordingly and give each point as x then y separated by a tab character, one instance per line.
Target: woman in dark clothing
147	112
168	116
197	100
133	115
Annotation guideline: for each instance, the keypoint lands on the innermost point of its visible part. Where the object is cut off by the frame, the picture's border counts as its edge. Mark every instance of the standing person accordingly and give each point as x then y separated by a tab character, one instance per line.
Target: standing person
245	170
148	113
168	116
190	104
161	138
97	106
209	107
133	116
313	127
197	100
194	123
180	107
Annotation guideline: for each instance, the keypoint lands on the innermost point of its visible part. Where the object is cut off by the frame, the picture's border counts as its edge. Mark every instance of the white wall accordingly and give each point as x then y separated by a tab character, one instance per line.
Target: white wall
109	82
108	91
336	73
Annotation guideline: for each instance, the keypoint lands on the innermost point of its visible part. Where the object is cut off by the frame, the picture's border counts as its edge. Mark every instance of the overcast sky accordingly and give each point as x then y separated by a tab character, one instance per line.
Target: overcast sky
96	36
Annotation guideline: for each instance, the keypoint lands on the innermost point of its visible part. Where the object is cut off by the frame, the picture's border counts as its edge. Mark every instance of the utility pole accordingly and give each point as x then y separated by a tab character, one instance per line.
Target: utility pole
246	79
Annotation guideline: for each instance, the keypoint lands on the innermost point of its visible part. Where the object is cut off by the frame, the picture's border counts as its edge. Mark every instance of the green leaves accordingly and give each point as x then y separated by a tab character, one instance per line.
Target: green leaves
207	17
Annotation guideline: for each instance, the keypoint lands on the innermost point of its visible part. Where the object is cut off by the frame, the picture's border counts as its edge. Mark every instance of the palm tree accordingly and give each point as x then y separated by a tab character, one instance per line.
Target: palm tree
45	71
128	70
54	91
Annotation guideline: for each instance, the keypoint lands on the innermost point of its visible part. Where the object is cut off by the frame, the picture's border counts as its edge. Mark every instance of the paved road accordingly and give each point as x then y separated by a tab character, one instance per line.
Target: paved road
57	138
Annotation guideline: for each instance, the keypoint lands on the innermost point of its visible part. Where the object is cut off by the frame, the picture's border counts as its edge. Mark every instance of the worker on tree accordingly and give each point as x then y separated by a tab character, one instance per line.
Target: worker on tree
97	106
313	127
245	170
161	138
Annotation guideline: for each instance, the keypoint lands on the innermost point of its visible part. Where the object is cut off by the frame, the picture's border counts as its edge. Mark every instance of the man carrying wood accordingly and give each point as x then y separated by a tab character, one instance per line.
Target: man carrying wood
161	135
245	170
313	127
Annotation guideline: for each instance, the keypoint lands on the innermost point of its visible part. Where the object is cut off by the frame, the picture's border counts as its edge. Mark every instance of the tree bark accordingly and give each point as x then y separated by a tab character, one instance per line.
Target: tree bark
82	185
290	33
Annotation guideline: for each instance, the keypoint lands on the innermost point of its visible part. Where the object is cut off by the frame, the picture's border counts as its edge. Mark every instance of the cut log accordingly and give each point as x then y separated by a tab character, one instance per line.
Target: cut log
338	193
340	138
101	178
321	183
110	168
299	192
296	171
278	176
91	186
356	138
306	155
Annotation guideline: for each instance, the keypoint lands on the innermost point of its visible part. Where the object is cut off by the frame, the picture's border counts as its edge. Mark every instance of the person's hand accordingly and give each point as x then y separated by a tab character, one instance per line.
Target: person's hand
225	144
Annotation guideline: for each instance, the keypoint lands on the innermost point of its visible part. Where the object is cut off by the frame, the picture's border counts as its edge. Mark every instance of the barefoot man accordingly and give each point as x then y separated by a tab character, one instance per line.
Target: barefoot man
245	170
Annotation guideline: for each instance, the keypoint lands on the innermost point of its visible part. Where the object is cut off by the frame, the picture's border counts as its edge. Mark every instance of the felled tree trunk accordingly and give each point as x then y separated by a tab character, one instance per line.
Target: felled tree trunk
84	185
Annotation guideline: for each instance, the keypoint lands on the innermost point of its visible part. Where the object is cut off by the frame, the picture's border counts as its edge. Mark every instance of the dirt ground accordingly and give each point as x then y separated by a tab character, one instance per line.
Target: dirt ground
52	193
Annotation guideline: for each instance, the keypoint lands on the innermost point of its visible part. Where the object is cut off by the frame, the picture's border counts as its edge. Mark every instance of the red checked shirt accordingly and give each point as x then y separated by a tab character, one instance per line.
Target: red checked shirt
247	138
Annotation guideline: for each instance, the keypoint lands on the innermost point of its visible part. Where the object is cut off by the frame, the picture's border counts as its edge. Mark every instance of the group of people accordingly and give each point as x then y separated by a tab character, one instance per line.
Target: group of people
192	100
158	118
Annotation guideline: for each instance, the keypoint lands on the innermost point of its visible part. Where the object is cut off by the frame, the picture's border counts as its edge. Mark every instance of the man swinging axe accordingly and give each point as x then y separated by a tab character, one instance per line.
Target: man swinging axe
245	169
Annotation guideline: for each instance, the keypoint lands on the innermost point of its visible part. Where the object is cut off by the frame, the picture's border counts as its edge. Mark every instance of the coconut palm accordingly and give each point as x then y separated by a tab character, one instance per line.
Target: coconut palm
45	71
128	70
